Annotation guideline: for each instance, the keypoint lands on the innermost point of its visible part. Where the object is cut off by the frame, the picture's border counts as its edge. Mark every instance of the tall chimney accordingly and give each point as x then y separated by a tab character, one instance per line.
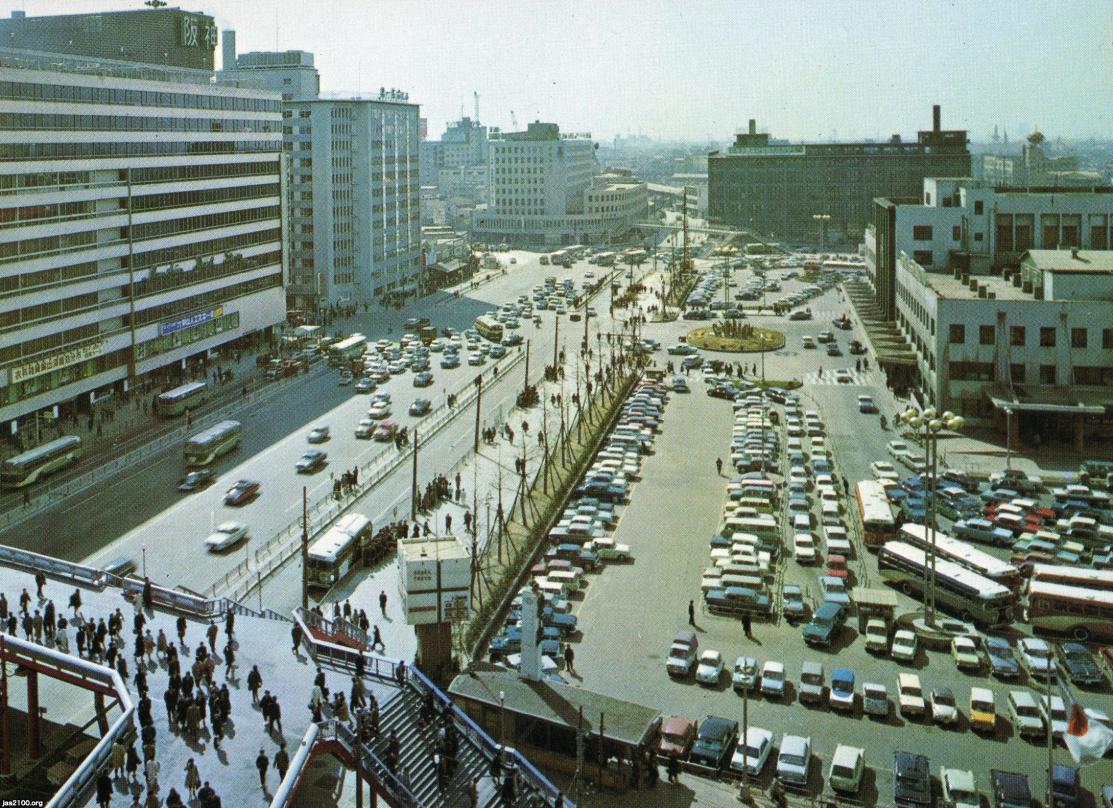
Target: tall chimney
935	127
753	126
228	50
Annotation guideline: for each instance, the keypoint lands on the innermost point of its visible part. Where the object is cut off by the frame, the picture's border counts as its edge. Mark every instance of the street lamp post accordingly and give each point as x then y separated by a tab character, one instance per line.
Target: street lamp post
928	423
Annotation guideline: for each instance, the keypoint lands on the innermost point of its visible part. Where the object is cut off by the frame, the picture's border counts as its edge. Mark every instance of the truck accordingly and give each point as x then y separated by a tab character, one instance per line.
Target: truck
427	334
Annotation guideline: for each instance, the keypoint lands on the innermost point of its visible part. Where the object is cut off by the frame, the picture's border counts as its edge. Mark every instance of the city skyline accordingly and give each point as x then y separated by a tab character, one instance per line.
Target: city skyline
605	69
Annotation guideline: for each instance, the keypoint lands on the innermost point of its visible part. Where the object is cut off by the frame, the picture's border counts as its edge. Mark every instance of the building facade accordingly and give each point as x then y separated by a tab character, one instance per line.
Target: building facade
141	227
823	192
544	190
354	202
289	73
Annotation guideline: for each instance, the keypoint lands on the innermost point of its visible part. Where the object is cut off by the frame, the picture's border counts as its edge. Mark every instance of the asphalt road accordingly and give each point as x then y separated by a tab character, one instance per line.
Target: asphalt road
631	612
141	513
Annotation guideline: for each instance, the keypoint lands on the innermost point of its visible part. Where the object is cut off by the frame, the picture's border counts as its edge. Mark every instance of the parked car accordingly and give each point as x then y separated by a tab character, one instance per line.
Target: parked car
1037	657
794	759
904	645
813	683
911	779
1079	664
964	651
944	708
983	710
773	679
752	753
677	736
910	694
875	700
1026	717
1010	789
745	675
842	694
825	624
848	766
877	636
710	669
714	742
959	790
1002	662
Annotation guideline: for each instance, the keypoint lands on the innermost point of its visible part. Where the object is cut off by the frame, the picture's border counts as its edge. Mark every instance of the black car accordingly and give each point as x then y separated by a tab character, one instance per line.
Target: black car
196	480
833	349
421	406
1010	789
1079	664
911	780
715	742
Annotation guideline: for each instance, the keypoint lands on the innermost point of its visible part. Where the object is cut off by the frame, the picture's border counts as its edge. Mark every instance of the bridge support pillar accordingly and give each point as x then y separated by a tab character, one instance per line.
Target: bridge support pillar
34	743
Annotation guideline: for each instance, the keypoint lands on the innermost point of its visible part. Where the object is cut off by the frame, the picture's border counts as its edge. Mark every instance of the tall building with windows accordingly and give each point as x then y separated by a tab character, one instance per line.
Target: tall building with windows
140	214
355	216
544	189
823	192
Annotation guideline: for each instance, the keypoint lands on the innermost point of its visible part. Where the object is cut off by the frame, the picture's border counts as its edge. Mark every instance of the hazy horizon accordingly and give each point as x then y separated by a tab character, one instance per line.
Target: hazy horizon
699	71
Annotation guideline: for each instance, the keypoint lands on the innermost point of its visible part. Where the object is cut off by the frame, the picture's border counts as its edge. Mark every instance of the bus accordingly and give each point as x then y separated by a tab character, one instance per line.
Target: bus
489	328
605	259
557	258
964	555
187	397
957	589
1080	611
575	252
343	352
878	524
1073	576
337	550
205	447
34	464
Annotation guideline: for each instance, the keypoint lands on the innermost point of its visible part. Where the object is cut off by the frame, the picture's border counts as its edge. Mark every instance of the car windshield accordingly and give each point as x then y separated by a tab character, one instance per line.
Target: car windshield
675	738
792	759
753	748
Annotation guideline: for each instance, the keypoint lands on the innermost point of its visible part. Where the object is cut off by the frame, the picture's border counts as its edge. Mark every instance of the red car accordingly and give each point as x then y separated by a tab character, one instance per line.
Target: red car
243	491
677	736
386	431
836	566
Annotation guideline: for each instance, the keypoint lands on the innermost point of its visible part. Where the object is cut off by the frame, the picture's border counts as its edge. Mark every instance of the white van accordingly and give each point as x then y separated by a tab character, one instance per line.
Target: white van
552	590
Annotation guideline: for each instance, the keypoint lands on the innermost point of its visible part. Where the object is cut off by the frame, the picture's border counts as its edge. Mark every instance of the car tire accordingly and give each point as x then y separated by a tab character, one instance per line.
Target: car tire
1081	633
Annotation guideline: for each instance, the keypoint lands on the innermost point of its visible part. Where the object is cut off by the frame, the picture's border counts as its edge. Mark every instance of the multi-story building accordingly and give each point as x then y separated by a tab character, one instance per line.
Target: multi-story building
824	192
290	73
140	215
543	189
354	204
1005	300
1033	166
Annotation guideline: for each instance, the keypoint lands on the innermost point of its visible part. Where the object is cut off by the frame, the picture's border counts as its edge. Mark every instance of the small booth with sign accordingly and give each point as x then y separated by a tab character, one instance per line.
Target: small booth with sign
435	581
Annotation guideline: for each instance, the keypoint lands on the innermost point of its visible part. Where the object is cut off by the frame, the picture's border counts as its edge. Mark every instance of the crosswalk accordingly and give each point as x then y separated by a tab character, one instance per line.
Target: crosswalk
830	377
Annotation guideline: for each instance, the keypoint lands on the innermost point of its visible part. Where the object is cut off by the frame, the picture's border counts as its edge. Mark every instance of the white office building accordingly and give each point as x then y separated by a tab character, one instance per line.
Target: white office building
544	189
355	198
140	227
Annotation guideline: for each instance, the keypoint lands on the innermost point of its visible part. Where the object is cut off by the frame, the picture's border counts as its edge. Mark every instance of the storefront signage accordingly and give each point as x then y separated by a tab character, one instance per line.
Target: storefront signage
182	324
58	360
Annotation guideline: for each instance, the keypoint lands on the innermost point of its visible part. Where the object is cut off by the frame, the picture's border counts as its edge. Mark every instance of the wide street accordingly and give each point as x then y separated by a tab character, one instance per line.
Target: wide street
631	612
142	515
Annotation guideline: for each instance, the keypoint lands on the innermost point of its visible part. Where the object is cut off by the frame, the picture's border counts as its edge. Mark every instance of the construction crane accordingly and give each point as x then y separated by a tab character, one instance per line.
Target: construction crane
475	93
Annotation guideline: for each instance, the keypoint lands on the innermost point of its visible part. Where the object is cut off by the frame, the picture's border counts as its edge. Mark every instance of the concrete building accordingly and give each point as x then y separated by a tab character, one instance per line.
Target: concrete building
1003	299
1033	166
354	200
141	221
823	192
289	73
543	190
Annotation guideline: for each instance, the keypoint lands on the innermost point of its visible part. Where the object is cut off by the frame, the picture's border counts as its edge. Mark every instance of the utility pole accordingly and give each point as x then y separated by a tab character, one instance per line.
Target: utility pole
305	547
478	400
415	493
525	381
556	341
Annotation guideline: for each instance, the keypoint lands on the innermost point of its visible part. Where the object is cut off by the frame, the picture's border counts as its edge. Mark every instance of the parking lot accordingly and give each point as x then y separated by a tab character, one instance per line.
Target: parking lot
631	613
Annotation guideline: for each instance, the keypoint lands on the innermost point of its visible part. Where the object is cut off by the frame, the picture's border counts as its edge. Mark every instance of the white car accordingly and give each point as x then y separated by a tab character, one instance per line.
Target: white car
365	429
793	760
898	449
904	645
745	674
379	410
910	694
944	708
773	678
1058	718
1037	658
883	470
837	540
753	750
226	535
959	790
965	653
804	548
710	668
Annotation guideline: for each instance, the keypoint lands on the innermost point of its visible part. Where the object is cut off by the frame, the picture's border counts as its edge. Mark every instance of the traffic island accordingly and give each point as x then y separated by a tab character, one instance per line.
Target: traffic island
732	336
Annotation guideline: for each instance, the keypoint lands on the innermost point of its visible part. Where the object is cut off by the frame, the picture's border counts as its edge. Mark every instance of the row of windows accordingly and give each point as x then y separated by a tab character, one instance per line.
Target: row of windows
1088	375
32	122
208	221
205	301
987	335
85	151
29	91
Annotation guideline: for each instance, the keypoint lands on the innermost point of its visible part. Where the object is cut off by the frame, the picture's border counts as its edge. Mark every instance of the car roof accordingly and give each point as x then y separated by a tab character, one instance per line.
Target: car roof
794	744
846	755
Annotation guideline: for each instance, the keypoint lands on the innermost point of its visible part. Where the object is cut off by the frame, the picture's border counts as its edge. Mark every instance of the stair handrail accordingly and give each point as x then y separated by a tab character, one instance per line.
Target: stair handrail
287	788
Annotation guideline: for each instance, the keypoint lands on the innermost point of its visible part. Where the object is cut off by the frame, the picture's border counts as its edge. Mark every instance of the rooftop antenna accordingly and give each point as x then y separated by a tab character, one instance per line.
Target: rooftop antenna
476	94
151	3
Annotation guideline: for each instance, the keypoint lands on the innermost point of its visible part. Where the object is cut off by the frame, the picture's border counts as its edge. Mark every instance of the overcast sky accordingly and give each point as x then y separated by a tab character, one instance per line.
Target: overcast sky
701	68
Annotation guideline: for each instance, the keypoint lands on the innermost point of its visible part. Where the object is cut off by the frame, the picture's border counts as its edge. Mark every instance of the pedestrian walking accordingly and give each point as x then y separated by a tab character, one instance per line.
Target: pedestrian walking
192	779
151	769
254	682
295	635
212	634
119	759
182	632
261	763
746	625
40	582
132	762
569	658
104	790
719	466
691	613
382	602
282	761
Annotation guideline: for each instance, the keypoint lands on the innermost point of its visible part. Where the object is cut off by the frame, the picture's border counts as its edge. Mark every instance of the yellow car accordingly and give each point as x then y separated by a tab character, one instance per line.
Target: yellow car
983	711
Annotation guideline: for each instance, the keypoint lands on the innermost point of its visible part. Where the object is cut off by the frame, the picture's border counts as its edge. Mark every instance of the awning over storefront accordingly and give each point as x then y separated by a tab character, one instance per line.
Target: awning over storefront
1055	400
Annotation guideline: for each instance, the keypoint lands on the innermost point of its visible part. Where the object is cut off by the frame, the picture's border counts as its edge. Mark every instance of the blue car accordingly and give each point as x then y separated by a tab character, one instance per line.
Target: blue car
449	361
1002	662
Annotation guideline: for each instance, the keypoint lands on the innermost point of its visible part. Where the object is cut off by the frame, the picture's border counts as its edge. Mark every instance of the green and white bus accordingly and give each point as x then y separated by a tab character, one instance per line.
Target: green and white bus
343	352
334	554
31	466
187	397
205	447
489	328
